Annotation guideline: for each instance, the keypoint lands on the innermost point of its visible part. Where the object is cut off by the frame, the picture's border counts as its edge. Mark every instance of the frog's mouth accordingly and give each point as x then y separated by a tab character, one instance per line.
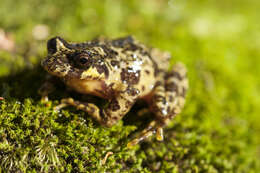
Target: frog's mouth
55	66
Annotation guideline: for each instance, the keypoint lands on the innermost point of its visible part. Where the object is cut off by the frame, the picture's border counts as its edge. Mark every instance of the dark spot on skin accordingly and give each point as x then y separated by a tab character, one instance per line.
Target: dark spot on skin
121	42
155	65
128	104
158	83
114	106
133	47
168	109
143	88
103	114
115	63
173	74
159	98
147	72
95	52
74	73
130	47
132	91
172	86
71	56
115	118
83	45
102	69
107	90
92	110
170	98
160	112
63	70
183	93
129	76
108	51
53	67
127	43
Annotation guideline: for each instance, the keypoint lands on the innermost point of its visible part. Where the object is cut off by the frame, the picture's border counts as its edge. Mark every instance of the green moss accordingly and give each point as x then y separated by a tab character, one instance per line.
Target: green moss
218	131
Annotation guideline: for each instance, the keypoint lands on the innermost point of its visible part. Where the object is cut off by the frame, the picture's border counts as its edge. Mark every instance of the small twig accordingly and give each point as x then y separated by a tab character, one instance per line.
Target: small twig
106	156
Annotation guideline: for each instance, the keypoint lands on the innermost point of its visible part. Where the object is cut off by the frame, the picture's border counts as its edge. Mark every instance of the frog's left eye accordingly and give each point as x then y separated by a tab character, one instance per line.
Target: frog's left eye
83	60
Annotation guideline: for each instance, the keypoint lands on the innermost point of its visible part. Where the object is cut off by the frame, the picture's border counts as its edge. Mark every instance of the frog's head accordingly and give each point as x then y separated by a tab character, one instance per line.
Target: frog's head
68	60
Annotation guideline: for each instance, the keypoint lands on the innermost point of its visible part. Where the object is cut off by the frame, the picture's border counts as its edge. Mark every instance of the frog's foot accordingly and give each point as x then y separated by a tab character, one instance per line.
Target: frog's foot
60	106
43	91
46	88
90	108
152	128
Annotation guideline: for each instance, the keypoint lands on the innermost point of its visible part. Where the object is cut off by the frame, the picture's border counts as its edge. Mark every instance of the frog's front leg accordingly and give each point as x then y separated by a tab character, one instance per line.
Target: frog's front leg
109	115
46	88
167	101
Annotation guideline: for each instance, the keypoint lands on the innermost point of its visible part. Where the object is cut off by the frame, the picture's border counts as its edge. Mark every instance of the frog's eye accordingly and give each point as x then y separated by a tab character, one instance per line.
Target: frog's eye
83	60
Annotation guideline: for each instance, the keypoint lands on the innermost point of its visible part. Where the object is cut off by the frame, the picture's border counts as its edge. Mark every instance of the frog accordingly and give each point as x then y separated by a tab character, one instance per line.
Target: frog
120	71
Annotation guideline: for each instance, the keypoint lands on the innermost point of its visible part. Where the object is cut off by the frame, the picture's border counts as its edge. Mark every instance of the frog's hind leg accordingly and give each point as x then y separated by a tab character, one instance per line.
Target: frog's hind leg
147	132
176	86
167	101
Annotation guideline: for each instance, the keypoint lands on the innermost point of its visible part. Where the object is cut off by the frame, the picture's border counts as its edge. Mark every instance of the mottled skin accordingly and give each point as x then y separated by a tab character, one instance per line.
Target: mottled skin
120	71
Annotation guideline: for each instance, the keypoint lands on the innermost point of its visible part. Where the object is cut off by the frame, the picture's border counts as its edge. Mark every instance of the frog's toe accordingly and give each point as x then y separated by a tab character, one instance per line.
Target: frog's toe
140	138
151	129
60	106
159	134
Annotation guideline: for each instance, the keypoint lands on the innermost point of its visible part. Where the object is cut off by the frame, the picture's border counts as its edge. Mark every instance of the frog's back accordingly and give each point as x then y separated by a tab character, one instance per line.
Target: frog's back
137	68
160	59
134	63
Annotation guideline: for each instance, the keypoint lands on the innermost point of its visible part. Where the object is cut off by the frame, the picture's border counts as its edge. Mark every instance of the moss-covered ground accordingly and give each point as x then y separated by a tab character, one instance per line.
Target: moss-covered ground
218	131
